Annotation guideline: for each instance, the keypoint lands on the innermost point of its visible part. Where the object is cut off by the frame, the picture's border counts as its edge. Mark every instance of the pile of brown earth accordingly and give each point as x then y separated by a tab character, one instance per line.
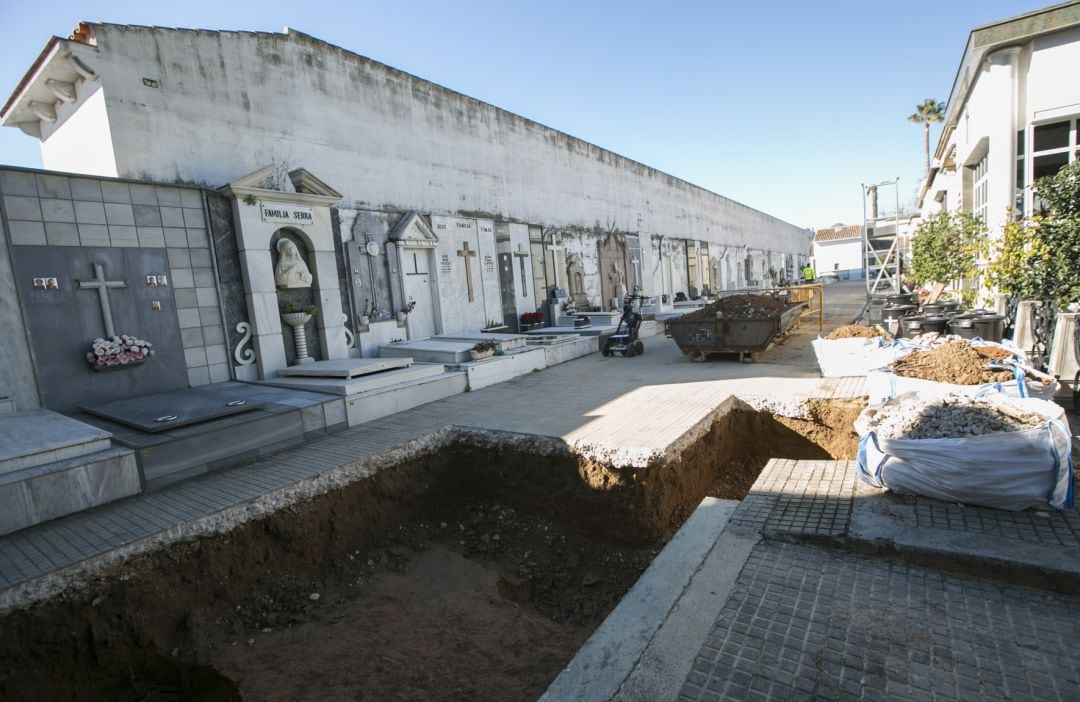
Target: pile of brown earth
740	306
854	331
955	362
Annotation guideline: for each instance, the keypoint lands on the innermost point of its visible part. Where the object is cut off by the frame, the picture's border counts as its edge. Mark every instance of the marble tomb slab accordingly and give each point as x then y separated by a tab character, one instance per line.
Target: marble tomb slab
606	318
506	342
551	339
346	367
594	330
429	351
37	437
168	410
354	386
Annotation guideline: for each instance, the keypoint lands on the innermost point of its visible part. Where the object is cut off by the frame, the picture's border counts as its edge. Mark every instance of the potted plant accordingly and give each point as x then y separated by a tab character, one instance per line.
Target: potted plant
403	313
118	352
483	349
531	319
494	326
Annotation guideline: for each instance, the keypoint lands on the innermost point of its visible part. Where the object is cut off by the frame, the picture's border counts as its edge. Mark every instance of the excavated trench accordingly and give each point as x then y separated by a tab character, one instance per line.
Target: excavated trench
474	572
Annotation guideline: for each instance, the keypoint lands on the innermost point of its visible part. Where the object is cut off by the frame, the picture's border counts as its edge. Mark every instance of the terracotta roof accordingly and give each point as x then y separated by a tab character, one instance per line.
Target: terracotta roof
850	231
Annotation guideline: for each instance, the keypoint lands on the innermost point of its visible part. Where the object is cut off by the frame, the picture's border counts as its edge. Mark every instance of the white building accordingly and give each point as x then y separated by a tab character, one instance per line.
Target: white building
1012	116
838	250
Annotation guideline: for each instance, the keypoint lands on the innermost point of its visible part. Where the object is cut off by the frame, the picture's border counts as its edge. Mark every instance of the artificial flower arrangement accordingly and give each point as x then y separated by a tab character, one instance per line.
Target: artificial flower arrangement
117	351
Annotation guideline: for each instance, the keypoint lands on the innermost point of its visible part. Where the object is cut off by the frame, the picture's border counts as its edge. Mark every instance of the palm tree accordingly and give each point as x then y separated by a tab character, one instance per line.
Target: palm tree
929	111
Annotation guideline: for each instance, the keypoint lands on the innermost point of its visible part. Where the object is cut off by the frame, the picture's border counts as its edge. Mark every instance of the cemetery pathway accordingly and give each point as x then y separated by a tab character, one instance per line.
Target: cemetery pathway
614	406
813	586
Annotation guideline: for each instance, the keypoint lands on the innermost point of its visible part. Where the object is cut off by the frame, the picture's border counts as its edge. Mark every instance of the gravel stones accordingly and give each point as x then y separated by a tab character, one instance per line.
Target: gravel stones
951	416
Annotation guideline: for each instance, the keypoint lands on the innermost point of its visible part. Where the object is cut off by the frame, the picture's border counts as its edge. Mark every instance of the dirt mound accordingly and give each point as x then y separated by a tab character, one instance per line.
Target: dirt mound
740	306
955	362
854	331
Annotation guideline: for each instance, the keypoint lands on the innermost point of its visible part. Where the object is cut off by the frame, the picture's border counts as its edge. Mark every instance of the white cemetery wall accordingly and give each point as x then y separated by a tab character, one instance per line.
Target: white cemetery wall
583	244
346	113
80	140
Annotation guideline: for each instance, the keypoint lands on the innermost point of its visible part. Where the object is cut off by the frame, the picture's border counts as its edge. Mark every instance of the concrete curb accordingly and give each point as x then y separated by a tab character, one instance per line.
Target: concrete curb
615	650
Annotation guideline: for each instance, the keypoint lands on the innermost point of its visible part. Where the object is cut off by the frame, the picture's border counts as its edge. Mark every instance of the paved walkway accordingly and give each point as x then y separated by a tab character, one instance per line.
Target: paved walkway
621	409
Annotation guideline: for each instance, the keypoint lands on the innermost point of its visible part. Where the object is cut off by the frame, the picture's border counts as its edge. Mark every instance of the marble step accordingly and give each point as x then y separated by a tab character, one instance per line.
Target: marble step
39	437
39	493
354	386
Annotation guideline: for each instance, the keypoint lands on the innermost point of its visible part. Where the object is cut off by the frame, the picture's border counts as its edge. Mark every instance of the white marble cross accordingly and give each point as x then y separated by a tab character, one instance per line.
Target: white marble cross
637	274
521	255
555	249
102	286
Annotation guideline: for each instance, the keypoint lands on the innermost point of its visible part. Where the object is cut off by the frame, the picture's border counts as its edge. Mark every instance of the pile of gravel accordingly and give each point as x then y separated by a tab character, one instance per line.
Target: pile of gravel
949	417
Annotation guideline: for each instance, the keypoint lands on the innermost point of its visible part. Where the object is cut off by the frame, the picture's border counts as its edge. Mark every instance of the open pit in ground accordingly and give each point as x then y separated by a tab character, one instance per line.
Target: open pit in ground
472	572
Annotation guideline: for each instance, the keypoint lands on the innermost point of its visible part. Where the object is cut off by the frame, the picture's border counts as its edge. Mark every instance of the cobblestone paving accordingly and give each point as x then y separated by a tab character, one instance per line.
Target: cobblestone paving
800	497
1041	526
804	622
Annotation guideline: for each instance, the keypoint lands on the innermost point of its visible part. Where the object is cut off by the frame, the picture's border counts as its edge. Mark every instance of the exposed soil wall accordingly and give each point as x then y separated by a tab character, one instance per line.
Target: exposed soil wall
471	573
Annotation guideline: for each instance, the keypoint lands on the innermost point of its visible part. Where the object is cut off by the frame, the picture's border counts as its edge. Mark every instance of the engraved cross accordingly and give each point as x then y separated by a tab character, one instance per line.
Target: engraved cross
102	286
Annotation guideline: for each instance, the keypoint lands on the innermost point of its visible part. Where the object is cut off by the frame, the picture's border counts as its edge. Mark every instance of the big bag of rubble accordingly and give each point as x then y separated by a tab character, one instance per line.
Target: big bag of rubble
959	366
852	350
994	451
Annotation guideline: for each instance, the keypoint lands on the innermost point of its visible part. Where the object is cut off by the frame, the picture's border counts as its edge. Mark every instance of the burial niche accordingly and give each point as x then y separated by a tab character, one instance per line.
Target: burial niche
296	297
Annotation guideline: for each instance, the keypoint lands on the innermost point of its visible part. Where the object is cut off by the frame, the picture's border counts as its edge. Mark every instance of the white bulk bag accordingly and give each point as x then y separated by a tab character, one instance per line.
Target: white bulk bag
844	357
1005	470
882	385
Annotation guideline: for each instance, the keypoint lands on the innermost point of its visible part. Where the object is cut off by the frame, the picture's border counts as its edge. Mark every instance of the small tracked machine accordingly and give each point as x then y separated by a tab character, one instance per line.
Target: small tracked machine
625	339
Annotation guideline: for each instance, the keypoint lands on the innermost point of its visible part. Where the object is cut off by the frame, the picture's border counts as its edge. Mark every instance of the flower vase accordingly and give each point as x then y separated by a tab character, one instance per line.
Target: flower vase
298	320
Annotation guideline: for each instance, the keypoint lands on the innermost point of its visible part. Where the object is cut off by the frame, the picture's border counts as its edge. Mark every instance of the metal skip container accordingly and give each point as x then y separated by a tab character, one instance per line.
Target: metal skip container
744	324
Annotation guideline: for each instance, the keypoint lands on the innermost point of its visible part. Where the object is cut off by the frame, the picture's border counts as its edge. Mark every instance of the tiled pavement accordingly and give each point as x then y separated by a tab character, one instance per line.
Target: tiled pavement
804	622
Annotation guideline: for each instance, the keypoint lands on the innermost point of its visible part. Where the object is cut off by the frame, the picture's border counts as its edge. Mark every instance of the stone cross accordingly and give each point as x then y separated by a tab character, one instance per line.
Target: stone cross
467	255
102	286
521	255
555	249
637	274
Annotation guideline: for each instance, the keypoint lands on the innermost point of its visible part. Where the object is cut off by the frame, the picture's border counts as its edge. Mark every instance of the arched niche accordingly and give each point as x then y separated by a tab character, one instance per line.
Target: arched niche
267	205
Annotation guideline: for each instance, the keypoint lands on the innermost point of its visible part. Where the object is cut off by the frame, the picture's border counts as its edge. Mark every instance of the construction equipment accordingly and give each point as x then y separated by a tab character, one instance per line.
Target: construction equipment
625	339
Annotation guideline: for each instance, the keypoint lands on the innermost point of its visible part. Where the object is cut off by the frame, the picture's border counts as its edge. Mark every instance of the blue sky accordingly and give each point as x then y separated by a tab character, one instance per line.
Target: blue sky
786	106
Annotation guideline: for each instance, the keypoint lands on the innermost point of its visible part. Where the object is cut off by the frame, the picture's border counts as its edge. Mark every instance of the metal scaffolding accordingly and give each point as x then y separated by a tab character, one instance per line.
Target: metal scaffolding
880	238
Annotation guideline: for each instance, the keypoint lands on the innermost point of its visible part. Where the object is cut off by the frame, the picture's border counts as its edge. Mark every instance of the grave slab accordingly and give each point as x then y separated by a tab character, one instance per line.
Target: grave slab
346	367
536	339
505	342
169	410
37	437
353	386
606	318
428	351
594	330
